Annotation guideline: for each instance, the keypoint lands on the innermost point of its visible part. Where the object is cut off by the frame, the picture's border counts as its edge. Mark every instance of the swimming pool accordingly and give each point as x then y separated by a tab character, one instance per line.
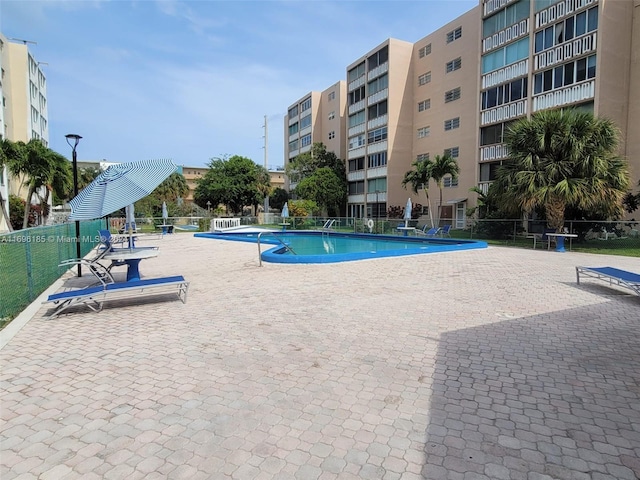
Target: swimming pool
323	247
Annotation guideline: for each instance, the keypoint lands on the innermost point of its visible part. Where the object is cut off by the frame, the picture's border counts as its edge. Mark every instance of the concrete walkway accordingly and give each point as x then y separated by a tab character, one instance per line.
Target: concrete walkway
485	364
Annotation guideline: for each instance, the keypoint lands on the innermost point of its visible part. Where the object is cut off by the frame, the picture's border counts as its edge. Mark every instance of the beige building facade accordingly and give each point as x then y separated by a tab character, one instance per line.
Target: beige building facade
457	89
316	117
24	112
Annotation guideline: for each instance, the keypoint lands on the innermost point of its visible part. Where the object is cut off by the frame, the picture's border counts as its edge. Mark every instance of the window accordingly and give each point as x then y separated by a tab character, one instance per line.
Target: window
452	123
332	115
449	182
493	134
424	105
424	51
501	57
293	129
566	30
332	135
422	157
424	78
452	95
355	72
357	141
306	140
293	145
505	18
454	34
488	171
377	185
453	151
564	75
454	65
356	118
377	135
356	95
306	105
305	122
331	96
505	93
377	160
378	58
356	188
379	84
293	111
377	110
356	164
423	132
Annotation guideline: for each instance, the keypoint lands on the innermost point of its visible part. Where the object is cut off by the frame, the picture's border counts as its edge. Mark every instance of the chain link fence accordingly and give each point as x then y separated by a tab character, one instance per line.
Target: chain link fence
29	261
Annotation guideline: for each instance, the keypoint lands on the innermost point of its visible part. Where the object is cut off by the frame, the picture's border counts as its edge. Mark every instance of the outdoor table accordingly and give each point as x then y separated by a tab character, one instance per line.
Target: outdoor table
132	257
560	240
165	228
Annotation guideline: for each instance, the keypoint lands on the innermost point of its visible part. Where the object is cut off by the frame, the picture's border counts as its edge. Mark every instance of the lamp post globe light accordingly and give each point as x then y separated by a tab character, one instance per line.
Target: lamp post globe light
73	139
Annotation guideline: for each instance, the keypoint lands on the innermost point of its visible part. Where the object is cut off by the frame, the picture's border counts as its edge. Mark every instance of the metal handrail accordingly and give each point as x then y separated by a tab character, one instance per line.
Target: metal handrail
287	247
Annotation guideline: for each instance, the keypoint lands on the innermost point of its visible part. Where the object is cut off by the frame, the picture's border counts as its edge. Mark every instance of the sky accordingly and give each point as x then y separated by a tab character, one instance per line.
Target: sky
194	80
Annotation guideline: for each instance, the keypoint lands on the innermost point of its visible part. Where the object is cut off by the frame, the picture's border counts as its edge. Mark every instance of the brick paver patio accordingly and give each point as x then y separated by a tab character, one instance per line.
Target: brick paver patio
489	364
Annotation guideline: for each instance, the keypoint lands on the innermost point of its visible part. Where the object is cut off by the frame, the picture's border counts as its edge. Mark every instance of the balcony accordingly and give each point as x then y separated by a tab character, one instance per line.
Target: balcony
565	96
355	176
498	39
379	70
356	107
505	74
358	82
356	130
504	112
378	96
491	153
377	122
564	52
378	147
491	6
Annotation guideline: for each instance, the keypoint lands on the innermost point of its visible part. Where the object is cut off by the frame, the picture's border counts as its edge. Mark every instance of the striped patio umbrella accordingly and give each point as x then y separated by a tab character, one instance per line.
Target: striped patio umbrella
118	186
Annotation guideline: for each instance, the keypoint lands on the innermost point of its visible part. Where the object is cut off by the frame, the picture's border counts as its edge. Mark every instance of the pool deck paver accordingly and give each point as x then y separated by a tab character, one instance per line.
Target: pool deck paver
483	364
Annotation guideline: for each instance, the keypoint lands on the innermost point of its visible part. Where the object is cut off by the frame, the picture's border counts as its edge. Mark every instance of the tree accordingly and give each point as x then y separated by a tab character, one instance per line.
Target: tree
172	188
278	198
418	178
323	187
306	164
563	159
39	166
9	154
441	166
230	181
87	175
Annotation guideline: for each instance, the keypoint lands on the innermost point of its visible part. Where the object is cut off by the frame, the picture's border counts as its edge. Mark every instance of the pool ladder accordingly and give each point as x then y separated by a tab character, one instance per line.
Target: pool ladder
328	226
287	247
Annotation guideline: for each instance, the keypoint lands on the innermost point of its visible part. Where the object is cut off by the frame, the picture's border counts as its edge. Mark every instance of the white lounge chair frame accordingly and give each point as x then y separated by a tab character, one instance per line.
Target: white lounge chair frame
94	297
612	275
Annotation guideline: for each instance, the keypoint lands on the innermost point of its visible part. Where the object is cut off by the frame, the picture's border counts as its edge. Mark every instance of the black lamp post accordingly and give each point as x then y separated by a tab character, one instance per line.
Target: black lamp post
73	140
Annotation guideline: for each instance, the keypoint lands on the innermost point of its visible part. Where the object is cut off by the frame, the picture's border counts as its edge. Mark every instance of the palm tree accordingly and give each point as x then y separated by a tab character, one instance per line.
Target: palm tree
38	166
419	178
9	153
441	166
561	159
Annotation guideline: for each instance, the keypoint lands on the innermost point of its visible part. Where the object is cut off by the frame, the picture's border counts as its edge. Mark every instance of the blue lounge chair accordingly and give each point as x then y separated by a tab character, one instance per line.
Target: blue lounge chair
612	275
445	231
432	232
94	297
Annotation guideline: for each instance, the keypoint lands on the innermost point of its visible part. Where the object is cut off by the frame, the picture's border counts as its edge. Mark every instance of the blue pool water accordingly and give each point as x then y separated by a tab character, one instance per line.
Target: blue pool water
323	247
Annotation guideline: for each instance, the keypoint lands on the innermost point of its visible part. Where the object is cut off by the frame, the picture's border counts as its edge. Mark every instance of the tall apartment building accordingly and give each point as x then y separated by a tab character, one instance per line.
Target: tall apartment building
316	117
540	54
24	104
457	89
445	99
379	127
